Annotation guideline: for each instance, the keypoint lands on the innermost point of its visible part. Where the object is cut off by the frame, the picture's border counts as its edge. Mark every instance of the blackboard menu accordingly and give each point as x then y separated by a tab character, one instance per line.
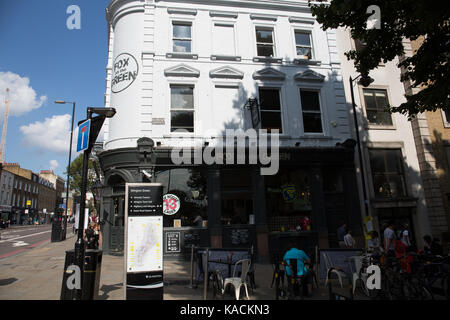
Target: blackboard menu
239	236
172	242
145	200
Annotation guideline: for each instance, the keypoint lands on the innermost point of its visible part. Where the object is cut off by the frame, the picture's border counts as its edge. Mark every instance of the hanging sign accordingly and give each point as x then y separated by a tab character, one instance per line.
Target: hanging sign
144	241
171	204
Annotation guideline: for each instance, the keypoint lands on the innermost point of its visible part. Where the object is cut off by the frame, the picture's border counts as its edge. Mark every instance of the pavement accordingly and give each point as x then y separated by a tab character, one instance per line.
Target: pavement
36	274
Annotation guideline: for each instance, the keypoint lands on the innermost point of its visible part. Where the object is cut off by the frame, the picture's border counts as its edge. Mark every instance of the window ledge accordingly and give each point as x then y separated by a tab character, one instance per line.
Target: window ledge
306	61
379	127
226	58
179	55
315	136
267	59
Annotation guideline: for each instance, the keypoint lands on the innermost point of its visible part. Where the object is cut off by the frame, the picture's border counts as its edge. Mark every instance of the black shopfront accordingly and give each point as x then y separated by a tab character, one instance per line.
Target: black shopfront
314	189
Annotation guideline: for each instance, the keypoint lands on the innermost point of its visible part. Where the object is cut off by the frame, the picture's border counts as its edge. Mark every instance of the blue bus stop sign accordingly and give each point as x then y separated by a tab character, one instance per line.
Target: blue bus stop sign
83	135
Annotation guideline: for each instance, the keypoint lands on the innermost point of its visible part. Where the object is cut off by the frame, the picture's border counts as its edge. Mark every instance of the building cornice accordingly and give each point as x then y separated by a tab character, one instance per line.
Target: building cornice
296	6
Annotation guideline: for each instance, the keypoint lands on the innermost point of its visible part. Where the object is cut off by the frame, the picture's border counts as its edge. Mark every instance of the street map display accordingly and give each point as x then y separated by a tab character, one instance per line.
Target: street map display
145	241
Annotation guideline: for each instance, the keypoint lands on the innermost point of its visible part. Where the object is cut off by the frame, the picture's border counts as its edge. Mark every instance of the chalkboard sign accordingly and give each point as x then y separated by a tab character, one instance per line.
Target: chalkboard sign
339	258
191	238
173	242
239	236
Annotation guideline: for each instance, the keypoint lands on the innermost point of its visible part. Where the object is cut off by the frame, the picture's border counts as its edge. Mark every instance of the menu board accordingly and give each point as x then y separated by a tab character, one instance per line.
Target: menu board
239	236
144	241
173	242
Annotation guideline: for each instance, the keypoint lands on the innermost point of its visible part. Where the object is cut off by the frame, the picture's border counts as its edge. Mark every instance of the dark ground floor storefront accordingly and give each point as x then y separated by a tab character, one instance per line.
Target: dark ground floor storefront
313	191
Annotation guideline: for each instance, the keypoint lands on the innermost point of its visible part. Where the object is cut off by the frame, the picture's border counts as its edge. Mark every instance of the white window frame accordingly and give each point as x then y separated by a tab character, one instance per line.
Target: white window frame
363	102
445	120
281	111
182	21
306	31
195	102
274	39
321	109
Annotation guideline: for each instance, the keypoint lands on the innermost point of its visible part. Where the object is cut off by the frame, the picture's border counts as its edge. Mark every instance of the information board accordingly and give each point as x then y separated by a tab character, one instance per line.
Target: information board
144	241
173	242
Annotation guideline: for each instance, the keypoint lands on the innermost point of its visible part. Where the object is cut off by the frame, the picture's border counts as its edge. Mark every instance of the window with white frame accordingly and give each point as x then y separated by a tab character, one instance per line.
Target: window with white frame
265	44
182	107
312	116
376	102
223	39
303	44
446	116
182	36
270	105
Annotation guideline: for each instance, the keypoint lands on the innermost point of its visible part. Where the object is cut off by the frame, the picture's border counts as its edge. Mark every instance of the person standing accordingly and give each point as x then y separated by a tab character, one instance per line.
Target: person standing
389	237
348	239
341	231
405	237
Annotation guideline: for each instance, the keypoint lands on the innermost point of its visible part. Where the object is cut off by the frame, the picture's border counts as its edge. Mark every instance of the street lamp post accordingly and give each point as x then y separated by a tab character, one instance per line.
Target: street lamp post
95	127
68	166
364	81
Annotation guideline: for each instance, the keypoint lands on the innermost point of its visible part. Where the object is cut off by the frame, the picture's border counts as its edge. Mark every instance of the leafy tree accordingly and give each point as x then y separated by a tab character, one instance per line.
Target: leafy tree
400	19
75	179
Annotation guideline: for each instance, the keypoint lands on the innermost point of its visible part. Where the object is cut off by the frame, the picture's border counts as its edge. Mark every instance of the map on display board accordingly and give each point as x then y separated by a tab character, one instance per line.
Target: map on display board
145	242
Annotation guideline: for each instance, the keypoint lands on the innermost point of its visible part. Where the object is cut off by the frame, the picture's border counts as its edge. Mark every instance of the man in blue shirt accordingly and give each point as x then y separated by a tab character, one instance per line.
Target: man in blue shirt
302	271
341	231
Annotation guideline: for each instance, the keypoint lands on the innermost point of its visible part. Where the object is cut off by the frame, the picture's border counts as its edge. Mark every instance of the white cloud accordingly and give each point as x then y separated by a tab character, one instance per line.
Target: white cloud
54	164
53	134
22	97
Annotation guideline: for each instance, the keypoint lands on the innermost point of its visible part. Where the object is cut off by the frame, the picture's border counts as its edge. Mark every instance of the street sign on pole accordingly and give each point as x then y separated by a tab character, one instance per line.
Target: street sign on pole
83	135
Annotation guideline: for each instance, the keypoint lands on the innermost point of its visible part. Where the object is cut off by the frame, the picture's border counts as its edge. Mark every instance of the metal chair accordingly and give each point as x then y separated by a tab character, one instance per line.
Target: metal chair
238	282
357	272
331	269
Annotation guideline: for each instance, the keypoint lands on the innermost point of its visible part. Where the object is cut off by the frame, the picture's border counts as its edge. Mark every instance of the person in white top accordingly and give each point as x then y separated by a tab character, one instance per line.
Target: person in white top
348	239
405	236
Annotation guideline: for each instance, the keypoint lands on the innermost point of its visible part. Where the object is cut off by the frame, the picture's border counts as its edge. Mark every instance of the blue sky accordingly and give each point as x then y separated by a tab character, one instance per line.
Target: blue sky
41	61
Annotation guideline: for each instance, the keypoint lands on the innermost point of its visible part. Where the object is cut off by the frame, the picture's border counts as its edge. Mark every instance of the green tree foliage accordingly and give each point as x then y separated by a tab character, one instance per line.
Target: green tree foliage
400	19
75	179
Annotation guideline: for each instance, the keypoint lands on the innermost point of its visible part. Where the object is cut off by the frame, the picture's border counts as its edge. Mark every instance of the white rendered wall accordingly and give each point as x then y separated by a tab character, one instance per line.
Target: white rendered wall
386	76
146	34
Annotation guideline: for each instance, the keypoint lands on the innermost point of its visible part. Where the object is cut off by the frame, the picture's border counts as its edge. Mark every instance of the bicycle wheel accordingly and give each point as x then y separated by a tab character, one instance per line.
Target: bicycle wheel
446	286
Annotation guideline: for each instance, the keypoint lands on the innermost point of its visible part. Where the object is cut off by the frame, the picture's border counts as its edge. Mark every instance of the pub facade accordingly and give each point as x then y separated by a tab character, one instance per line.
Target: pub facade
188	78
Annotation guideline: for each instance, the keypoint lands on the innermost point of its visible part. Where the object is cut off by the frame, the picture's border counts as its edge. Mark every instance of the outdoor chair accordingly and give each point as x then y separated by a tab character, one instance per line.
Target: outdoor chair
241	281
356	261
328	265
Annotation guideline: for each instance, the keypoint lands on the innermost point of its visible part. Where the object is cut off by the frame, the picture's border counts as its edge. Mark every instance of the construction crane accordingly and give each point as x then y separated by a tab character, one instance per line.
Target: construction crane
5	126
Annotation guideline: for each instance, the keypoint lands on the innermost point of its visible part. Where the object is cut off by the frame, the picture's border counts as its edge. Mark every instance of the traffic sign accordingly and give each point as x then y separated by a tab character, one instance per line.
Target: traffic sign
62	206
83	135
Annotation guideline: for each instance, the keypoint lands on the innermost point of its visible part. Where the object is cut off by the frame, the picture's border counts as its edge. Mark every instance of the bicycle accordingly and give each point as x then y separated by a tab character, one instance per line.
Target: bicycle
278	280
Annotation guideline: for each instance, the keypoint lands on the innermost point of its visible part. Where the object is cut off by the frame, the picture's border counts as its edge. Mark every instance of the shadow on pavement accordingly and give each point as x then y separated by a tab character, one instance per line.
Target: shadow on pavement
105	289
5	282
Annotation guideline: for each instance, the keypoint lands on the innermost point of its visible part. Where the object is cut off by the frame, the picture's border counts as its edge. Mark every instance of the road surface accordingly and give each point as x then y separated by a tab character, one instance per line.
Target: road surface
19	239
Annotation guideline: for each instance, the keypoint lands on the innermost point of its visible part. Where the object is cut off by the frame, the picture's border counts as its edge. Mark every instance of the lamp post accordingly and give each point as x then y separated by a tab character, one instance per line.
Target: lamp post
70	156
364	81
95	127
